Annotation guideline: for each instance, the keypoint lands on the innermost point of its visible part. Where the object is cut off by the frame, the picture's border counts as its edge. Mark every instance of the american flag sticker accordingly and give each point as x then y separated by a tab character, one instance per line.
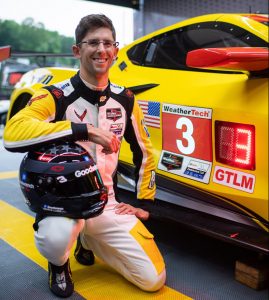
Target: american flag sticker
151	111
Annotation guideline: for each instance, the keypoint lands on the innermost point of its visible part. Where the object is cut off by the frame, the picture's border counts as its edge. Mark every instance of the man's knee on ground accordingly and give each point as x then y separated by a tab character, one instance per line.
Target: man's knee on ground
53	238
152	282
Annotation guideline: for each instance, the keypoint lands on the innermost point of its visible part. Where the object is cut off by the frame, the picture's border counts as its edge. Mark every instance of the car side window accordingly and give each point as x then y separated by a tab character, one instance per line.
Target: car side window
136	53
166	52
169	50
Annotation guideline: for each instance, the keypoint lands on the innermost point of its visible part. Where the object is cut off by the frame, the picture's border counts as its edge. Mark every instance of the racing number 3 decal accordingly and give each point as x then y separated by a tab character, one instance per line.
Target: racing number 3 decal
186	127
187	131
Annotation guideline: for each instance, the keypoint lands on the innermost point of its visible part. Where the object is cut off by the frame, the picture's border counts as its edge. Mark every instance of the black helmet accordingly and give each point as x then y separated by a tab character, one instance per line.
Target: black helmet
62	180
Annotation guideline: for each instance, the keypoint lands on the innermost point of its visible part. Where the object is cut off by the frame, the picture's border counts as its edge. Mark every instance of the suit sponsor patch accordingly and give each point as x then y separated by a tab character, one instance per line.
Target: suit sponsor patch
57	93
113	114
129	93
116	128
102	98
116	88
81	116
152	180
145	127
66	87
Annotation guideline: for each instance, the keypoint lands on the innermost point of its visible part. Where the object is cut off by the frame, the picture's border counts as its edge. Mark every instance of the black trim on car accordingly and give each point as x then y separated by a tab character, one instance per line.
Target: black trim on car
204	212
142	88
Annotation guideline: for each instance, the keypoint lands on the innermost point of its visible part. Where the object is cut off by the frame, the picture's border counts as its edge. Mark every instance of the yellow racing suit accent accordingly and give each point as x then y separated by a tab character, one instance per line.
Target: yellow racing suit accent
145	239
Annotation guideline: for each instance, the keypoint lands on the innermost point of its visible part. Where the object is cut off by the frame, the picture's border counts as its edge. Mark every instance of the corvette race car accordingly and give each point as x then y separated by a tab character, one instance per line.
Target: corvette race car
203	87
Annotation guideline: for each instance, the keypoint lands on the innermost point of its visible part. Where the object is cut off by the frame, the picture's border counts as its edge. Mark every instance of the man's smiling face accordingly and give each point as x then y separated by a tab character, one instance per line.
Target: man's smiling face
96	52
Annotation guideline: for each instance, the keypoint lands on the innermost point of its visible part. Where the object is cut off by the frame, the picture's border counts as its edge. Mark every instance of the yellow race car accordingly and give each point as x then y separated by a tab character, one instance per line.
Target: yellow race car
203	87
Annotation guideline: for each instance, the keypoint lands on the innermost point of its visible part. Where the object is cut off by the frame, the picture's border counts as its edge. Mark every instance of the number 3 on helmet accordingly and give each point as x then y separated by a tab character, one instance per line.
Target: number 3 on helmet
62	180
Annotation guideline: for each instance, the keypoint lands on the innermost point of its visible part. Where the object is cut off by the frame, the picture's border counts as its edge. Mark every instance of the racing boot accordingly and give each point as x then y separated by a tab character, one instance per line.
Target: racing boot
82	255
60	280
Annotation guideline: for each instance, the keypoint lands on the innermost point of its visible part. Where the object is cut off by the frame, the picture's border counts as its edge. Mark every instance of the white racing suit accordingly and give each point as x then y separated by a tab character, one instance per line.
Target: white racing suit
61	111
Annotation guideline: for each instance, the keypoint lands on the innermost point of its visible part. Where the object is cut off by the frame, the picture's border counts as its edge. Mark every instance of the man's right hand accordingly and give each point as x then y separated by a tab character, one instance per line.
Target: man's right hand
107	139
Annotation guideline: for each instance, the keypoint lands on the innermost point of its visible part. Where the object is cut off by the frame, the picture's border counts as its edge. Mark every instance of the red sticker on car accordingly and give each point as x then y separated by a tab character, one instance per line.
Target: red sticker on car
234	179
186	131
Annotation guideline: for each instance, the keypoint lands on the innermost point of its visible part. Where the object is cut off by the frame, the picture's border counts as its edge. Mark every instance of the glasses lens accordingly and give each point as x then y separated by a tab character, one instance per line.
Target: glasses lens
107	44
95	43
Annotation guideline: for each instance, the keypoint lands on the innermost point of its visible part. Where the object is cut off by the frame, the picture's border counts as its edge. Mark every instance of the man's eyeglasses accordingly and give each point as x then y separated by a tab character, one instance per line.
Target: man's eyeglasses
95	43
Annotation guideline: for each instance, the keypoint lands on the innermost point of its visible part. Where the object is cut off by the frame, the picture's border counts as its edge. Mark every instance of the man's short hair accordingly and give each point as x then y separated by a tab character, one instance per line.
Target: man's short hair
92	22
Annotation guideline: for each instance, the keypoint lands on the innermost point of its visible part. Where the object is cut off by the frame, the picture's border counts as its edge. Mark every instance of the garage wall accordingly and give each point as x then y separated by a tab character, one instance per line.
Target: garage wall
155	14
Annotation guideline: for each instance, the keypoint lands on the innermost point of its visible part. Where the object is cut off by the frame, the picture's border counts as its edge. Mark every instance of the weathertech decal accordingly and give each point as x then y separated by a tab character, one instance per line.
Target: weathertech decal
198	112
234	179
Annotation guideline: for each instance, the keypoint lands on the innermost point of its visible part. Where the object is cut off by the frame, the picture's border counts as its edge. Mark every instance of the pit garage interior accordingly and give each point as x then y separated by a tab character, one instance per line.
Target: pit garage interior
198	266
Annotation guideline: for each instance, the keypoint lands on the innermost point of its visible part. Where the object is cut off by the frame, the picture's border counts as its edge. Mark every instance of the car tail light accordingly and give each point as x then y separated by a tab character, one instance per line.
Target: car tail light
235	144
14	78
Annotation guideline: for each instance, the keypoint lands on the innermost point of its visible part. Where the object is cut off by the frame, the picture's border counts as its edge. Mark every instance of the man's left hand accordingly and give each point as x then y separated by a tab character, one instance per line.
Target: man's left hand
127	209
